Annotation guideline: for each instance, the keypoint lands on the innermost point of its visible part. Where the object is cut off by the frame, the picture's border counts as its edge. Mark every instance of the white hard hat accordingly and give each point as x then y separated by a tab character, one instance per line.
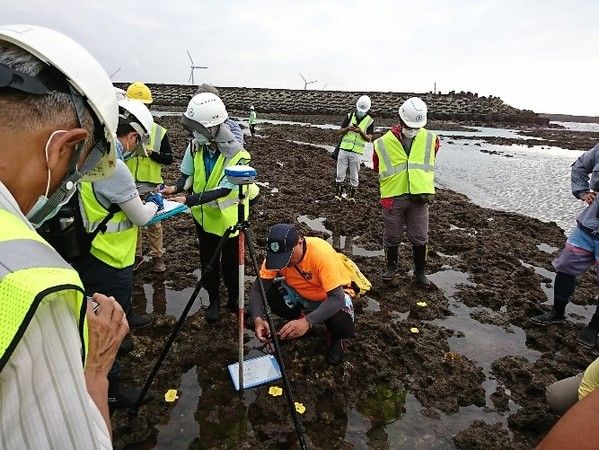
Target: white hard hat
363	104
413	112
252	107
136	114
205	109
89	81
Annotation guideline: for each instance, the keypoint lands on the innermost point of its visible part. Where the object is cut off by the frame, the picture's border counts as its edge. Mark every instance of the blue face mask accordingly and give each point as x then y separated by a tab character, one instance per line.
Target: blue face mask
43	199
360	114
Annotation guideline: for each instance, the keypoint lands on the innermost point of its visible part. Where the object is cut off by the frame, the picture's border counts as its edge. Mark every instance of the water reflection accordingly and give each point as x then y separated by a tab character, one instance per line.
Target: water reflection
498	185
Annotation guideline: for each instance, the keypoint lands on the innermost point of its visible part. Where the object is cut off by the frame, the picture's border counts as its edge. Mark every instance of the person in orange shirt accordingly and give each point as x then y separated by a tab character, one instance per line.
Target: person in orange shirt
306	284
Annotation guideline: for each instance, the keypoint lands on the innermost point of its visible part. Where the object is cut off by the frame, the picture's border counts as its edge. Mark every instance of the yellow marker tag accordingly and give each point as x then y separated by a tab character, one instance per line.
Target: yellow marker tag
171	395
300	408
415	330
421	304
275	391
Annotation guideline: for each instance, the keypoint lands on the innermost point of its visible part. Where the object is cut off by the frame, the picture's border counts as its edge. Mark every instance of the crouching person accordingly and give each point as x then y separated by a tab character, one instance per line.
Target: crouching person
564	394
306	284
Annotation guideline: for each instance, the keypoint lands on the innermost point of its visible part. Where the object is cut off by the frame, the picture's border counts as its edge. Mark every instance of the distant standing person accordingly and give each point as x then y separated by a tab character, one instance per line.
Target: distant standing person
357	129
146	166
582	247
404	158
252	121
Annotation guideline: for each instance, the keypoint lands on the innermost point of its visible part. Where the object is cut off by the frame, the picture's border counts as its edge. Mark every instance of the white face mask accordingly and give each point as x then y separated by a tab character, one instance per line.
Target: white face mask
360	114
43	199
410	132
199	138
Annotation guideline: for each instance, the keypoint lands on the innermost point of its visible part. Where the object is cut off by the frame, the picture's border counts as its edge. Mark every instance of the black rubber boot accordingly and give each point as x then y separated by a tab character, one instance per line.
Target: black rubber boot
338	191
351	192
335	351
213	311
391	262
120	396
563	288
419	252
549	317
588	336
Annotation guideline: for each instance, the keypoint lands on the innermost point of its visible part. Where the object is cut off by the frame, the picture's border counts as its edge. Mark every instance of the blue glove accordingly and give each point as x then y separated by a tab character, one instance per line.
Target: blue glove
157	198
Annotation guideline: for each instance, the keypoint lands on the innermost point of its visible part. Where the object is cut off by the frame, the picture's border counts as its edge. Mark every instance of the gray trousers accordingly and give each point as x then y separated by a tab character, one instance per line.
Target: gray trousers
563	394
409	214
348	159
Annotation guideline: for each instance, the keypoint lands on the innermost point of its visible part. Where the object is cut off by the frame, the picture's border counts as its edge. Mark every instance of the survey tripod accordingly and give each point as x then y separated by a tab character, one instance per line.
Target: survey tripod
245	237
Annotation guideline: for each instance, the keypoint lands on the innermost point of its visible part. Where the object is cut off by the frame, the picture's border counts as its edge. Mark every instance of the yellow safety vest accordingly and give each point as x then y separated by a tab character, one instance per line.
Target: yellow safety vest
143	168
352	141
30	270
402	174
218	215
116	246
252	119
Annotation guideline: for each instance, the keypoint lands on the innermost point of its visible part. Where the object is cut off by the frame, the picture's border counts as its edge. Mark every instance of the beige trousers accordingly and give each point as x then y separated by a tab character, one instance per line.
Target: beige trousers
154	238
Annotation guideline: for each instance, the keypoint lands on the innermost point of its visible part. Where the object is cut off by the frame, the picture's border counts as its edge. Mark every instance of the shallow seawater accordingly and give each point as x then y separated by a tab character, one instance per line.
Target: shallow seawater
534	181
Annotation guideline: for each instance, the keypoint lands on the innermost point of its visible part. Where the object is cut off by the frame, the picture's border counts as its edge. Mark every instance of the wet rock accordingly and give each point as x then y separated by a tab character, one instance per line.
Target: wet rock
481	435
500	399
532	420
385	357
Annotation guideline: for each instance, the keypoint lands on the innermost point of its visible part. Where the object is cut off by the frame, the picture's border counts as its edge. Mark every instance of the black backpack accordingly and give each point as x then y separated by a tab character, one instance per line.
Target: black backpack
66	232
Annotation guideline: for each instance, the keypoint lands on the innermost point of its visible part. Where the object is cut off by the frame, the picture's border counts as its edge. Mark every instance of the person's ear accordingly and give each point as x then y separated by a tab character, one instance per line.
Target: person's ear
63	144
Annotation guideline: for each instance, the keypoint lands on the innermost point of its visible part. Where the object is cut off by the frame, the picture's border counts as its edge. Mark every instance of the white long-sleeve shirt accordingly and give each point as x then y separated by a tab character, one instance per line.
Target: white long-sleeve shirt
44	403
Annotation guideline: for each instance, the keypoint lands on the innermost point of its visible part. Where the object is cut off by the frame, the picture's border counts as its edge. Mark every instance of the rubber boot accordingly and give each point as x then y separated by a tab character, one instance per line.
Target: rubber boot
120	396
588	336
351	192
213	311
338	191
391	262
563	288
158	264
419	252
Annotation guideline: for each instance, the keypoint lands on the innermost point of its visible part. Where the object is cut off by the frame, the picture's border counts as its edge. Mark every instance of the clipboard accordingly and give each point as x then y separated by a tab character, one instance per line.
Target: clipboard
256	371
170	209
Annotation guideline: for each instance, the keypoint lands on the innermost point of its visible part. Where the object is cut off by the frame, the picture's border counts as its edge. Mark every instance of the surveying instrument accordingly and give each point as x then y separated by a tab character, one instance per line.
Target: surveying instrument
242	176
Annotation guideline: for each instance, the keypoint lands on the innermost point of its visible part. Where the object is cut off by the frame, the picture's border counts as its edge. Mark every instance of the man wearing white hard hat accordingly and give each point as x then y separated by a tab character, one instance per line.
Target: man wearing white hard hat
357	129
214	200
58	115
252	121
108	266
404	158
146	164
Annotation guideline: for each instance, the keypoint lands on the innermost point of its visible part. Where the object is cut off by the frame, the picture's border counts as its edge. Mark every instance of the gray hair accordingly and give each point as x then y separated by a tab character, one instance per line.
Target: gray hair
207	88
20	110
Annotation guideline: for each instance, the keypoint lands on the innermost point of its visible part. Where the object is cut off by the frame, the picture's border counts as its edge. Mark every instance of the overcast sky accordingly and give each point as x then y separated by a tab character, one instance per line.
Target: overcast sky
539	55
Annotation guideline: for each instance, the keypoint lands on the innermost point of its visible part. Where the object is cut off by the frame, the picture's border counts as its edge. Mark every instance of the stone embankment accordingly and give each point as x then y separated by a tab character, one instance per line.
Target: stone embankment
463	106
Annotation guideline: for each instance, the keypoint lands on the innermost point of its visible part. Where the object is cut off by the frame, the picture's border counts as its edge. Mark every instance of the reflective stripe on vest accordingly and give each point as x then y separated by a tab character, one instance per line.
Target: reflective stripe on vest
352	141
218	215
143	168
400	173
115	247
30	271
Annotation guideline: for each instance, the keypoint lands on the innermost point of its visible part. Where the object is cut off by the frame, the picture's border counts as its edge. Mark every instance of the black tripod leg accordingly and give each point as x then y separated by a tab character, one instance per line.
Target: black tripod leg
275	339
179	324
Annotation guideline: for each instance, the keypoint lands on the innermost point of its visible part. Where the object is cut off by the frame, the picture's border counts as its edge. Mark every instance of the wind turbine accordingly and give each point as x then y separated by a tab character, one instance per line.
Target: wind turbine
306	83
114	73
192	68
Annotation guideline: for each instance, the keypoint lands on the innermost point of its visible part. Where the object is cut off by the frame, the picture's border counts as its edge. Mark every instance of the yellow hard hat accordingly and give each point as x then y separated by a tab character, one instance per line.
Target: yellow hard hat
139	91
